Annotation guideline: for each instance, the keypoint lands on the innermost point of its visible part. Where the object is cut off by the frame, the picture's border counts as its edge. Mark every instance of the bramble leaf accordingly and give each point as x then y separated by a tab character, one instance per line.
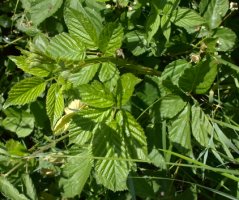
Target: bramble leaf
76	173
96	95
126	85
66	47
80	26
25	91
9	191
54	103
213	11
110	38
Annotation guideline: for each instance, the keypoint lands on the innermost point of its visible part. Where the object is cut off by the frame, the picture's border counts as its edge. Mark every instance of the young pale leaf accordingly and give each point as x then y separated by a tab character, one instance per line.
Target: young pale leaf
226	38
81	26
18	121
110	38
66	47
75	173
186	18
126	85
25	91
95	95
168	109
23	63
213	11
16	148
29	187
113	169
180	130
202	127
9	191
54	103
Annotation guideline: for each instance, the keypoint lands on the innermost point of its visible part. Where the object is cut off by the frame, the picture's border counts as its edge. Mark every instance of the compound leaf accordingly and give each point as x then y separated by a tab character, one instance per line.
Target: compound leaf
96	95
110	38
9	191
76	173
66	47
81	26
25	91
54	103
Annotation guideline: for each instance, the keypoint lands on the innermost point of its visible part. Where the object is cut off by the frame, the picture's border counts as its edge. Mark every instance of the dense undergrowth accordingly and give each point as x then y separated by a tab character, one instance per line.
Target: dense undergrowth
119	99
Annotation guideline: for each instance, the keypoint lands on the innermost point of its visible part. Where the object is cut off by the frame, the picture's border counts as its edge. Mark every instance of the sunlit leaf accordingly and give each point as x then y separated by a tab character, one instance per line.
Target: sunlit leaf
54	103
25	91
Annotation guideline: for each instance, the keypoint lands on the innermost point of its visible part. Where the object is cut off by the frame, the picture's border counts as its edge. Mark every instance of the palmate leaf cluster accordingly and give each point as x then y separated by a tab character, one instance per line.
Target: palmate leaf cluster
122	99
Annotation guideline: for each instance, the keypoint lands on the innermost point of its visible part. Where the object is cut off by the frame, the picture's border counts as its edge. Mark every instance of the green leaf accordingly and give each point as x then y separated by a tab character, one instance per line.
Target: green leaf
165	26
113	169
187	18
96	95
175	70
199	78
168	109
80	26
213	11
226	38
134	135
180	130
15	148
126	86
41	9
29	187
66	47
208	79
25	91
110	38
136	42
23	63
9	191
109	75
153	23
201	126
76	172
84	76
54	103
18	121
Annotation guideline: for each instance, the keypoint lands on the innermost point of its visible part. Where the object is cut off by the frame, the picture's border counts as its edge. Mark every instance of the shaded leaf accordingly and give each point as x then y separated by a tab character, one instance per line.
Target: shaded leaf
76	173
29	187
168	109
213	11
19	122
9	191
180	130
201	126
226	38
187	18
